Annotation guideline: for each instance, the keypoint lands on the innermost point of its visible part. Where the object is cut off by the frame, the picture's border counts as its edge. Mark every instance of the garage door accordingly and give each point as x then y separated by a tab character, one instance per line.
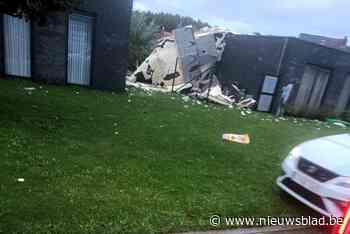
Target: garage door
79	49
17	46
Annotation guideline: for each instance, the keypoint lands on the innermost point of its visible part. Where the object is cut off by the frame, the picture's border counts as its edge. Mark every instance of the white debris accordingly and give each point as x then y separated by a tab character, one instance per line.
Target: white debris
29	88
248	111
21	180
186	99
216	96
146	87
185	63
340	124
247	103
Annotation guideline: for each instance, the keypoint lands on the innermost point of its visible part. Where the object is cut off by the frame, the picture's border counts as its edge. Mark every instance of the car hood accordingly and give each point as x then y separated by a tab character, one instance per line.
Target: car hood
332	153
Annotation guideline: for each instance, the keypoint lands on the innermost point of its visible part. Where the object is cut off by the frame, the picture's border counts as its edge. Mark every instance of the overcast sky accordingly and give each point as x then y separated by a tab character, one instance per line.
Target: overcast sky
277	17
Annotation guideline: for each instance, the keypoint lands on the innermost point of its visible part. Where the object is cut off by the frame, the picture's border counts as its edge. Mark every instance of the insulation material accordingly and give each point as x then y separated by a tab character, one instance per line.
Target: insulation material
160	67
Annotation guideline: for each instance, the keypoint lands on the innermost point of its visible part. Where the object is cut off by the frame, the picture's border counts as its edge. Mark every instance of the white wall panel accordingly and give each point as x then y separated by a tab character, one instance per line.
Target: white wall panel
17	46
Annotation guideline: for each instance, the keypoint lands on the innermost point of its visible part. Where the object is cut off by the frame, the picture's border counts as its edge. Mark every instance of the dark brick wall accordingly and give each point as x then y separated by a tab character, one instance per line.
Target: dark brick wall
49	55
247	59
300	53
111	42
110	45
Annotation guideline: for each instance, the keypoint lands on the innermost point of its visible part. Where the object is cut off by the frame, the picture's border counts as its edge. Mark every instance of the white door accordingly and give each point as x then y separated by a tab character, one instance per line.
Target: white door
79	49
17	46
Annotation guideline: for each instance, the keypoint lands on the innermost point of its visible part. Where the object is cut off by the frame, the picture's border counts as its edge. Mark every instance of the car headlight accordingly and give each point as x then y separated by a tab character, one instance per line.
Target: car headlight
345	183
295	154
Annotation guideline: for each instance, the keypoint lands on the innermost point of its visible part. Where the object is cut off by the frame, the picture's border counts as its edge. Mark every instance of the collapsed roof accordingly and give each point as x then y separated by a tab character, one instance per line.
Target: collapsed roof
187	63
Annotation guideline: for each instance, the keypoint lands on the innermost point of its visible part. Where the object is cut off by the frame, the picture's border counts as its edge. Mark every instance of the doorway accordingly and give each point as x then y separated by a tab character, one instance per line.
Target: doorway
312	90
79	49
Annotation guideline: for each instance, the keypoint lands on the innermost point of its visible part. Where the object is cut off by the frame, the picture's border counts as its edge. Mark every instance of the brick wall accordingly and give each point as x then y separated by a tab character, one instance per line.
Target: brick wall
49	53
247	59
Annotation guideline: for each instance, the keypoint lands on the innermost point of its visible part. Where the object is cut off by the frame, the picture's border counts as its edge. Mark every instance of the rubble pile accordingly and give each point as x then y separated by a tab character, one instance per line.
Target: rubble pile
186	63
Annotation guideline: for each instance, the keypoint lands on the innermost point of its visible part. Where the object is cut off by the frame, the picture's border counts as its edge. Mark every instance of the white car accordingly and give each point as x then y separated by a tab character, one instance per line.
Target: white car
317	173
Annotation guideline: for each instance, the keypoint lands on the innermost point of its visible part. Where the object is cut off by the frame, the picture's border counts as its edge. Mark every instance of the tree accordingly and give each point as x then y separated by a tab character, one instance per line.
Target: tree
141	36
35	9
171	22
145	27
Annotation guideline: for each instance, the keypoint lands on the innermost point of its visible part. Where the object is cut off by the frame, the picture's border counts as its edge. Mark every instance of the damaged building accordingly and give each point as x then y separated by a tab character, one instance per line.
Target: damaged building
250	71
187	63
264	64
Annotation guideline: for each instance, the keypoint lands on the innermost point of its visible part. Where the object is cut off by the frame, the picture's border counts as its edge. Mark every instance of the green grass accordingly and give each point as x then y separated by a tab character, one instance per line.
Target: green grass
93	162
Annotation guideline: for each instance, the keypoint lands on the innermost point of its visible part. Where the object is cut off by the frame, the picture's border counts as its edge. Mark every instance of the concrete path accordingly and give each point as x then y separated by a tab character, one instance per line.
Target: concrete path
274	230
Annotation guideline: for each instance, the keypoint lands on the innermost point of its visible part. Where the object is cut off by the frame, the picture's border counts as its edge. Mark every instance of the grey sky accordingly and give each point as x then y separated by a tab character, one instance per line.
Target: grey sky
277	17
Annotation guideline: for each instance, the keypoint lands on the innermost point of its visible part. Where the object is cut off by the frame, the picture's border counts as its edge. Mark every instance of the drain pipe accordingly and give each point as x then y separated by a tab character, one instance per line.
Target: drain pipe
283	52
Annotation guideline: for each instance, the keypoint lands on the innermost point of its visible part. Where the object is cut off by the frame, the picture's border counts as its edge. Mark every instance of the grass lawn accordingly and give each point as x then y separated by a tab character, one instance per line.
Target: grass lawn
96	162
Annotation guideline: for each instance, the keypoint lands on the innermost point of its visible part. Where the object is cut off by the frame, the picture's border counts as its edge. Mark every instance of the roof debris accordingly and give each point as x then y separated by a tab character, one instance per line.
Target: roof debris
186	63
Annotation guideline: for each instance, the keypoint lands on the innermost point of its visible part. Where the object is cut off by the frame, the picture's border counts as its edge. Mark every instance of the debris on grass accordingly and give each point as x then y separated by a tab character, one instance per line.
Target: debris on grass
186	99
338	123
29	88
241	139
21	180
247	103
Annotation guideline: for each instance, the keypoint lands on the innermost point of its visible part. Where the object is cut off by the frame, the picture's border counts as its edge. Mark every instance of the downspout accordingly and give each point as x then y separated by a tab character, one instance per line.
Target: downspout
280	62
283	52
